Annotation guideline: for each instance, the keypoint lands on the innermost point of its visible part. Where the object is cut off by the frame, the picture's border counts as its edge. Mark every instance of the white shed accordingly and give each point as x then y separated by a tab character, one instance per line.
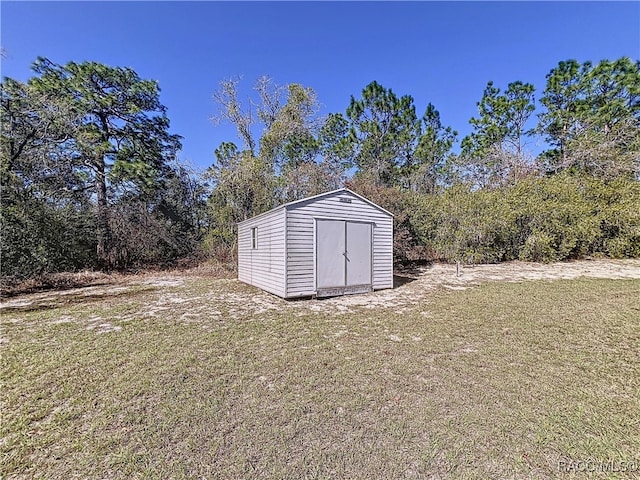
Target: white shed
335	243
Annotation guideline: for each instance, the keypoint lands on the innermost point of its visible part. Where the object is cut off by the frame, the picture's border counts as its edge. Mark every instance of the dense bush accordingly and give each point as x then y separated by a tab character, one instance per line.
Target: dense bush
407	245
38	237
47	230
538	219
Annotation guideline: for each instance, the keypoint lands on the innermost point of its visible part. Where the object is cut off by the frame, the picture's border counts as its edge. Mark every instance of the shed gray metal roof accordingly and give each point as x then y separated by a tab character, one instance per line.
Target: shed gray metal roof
332	192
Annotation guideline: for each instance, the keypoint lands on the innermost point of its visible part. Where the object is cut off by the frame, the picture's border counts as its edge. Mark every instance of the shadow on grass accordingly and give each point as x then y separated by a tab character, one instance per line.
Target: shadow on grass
398	281
401	280
409	272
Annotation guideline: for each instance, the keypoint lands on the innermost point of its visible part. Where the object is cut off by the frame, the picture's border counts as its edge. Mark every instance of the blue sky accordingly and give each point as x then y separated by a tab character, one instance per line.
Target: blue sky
439	52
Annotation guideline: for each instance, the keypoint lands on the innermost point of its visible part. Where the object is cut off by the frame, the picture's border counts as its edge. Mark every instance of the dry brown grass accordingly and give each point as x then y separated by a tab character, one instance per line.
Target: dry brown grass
11	287
208	378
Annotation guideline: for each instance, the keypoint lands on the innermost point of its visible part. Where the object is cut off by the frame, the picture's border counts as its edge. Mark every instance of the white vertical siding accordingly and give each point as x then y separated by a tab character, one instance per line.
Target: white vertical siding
264	266
300	224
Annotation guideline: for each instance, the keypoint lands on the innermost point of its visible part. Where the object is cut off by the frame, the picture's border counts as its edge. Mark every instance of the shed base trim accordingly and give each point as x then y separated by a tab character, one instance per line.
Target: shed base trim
350	290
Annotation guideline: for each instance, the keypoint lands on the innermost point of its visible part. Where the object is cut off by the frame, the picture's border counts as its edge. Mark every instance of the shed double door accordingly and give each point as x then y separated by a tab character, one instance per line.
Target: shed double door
343	254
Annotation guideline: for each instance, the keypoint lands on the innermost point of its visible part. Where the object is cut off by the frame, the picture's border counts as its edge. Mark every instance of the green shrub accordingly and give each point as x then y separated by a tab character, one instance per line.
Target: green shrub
538	247
407	246
537	219
37	237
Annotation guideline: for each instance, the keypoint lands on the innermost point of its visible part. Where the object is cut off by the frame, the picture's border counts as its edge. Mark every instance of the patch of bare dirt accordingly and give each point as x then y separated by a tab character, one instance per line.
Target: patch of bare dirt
170	296
247	303
412	288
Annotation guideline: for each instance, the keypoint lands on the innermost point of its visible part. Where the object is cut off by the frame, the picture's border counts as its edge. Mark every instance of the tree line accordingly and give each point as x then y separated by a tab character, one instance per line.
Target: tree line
91	175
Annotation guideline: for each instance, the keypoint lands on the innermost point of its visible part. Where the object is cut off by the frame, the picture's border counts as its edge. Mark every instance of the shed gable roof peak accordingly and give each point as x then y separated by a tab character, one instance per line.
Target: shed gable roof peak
286	206
333	192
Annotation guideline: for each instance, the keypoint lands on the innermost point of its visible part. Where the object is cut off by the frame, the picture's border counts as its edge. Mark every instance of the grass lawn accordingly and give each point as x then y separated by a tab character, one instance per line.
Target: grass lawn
503	380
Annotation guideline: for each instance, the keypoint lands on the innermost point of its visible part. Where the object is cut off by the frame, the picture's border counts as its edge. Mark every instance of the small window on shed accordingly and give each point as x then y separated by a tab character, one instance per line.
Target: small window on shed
254	237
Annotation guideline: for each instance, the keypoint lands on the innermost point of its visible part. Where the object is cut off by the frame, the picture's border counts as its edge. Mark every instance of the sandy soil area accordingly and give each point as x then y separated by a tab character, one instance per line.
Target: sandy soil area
414	286
228	299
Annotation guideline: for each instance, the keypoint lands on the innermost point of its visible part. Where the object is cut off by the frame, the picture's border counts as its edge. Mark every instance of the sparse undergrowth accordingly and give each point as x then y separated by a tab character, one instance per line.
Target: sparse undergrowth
503	380
12	286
